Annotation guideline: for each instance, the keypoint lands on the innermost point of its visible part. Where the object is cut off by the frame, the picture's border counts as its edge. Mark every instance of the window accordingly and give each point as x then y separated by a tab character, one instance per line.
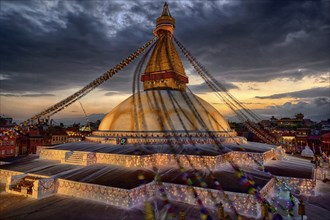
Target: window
3	152
11	151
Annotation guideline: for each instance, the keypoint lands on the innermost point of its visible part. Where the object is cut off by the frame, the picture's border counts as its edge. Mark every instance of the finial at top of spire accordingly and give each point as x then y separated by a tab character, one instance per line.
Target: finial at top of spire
165	22
166	10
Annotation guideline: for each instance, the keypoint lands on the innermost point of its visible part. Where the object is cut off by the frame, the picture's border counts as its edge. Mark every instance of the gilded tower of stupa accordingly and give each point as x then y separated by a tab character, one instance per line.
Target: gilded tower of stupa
164	69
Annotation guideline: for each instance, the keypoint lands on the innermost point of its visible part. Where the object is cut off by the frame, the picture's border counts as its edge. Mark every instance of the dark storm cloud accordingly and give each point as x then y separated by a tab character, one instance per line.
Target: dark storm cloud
69	49
262	40
53	45
307	93
111	93
25	95
316	109
203	87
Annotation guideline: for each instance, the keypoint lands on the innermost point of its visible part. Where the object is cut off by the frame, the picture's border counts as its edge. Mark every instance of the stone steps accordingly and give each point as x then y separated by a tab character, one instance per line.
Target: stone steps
75	158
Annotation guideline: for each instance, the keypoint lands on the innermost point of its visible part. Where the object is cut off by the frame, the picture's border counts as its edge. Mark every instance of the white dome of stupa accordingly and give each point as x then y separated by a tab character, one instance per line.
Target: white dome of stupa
164	110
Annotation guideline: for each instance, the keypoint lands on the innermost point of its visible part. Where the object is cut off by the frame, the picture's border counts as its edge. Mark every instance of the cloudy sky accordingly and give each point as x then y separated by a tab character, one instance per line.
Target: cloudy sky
272	55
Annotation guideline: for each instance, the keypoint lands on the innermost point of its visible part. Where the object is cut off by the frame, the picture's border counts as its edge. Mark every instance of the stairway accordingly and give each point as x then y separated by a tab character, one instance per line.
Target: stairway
75	158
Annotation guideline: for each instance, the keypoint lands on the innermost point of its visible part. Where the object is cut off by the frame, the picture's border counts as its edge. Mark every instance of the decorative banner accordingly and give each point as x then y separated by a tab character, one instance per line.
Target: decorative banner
85	90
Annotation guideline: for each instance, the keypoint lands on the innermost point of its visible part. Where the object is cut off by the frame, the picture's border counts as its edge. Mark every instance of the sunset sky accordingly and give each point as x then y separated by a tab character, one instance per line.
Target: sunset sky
272	55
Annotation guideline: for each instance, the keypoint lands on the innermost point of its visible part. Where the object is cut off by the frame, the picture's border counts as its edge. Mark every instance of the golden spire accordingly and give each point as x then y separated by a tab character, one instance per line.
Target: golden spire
165	22
166	10
164	69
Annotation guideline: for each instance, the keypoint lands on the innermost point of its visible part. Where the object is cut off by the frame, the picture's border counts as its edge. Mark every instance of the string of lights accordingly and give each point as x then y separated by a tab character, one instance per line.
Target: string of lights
234	105
89	87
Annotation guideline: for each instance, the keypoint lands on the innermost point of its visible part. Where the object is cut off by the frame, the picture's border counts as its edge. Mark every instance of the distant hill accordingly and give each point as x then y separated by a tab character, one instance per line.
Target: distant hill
81	120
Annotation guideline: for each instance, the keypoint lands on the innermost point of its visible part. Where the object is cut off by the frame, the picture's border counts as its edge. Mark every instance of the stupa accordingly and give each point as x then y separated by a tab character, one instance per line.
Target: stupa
307	152
167	109
161	142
